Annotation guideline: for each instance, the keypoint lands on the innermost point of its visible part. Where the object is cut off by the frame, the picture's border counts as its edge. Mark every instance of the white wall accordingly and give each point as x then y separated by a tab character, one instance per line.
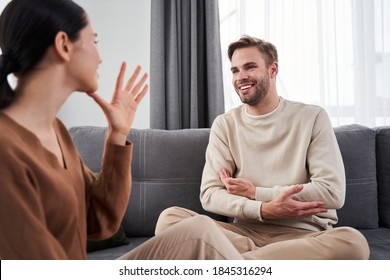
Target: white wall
123	28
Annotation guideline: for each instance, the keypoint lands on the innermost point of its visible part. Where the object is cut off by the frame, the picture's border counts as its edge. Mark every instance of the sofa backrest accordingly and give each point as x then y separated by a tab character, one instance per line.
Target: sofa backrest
383	174
166	169
357	146
167	166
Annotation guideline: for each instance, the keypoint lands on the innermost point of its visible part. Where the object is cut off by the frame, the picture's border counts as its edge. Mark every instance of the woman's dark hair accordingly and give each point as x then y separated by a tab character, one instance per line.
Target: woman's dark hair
27	29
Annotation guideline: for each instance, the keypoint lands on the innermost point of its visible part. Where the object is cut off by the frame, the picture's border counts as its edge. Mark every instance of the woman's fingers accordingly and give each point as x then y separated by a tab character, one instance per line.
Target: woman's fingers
129	85
141	95
119	80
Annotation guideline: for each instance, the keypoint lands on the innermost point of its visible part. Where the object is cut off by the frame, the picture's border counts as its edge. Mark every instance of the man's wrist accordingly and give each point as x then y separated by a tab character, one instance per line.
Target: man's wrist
264	211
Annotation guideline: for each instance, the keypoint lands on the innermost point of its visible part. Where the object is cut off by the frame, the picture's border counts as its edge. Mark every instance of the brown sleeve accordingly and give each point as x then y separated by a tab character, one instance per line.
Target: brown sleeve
108	195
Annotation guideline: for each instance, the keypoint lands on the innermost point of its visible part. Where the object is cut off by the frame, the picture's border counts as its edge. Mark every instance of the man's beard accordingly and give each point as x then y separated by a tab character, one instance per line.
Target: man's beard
260	93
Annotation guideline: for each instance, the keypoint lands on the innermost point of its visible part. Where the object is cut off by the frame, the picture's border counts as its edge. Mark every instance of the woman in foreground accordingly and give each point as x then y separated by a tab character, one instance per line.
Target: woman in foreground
50	202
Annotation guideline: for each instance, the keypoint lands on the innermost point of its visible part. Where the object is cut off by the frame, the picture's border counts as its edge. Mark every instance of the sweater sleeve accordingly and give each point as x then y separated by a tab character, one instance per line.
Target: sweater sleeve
108	195
214	196
325	165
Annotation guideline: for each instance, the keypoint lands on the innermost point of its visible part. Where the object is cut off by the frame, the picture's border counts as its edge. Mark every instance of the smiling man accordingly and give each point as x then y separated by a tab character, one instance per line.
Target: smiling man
274	166
252	81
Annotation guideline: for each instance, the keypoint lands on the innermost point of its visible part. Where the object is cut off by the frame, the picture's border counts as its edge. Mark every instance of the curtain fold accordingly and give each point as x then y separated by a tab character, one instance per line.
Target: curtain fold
186	84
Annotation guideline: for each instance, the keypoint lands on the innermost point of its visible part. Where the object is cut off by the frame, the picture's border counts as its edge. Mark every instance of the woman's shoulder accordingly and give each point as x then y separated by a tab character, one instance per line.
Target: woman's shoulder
18	145
14	147
8	135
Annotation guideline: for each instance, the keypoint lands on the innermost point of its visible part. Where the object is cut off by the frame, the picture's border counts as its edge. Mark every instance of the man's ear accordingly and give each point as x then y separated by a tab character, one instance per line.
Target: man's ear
274	68
63	45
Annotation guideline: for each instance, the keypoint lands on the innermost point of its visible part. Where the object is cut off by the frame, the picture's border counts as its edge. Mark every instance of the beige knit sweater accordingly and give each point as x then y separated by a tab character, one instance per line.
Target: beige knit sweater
294	144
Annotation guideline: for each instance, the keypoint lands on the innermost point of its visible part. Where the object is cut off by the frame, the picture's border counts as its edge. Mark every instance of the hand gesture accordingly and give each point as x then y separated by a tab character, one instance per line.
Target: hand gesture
120	112
284	206
237	186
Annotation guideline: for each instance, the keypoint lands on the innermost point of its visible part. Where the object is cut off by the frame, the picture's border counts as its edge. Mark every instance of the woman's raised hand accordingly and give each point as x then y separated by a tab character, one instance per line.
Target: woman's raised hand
120	112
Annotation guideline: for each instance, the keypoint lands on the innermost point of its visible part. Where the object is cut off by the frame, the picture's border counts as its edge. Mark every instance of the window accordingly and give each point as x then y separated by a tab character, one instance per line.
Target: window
332	53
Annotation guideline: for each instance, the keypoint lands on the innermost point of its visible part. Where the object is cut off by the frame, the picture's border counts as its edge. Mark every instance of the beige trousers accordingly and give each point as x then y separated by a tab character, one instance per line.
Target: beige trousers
196	238
273	242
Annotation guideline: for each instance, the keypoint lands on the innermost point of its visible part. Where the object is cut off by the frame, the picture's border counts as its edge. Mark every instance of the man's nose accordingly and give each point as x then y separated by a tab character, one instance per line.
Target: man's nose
242	75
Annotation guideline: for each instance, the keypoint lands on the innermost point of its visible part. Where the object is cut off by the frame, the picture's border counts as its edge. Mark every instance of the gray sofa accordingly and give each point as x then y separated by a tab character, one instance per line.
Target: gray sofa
167	168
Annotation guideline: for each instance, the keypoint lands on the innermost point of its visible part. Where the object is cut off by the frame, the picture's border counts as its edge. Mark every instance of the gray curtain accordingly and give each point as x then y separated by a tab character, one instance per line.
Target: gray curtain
186	87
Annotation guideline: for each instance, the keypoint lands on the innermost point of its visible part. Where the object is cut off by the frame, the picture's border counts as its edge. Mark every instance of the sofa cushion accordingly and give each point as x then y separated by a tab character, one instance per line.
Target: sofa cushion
167	168
89	141
383	174
117	252
118	239
357	145
379	241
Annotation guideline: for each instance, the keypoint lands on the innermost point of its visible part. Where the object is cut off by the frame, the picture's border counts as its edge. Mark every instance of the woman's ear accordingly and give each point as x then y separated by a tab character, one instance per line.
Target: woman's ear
63	45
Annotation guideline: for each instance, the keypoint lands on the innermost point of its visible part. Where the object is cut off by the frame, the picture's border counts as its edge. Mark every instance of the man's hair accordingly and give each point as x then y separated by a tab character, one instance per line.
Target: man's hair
266	48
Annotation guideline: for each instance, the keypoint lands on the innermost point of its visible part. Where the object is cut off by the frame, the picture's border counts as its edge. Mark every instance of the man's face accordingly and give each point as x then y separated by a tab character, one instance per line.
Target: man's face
250	75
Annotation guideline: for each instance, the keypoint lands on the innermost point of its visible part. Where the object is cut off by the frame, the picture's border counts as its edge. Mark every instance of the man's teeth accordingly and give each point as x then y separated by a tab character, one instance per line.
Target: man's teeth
245	87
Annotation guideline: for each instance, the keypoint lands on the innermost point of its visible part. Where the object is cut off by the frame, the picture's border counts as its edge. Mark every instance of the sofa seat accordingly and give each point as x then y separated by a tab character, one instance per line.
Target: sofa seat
116	252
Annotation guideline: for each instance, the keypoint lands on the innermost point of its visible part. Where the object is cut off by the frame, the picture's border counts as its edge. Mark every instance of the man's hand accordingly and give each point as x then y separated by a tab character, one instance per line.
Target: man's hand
284	206
237	186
